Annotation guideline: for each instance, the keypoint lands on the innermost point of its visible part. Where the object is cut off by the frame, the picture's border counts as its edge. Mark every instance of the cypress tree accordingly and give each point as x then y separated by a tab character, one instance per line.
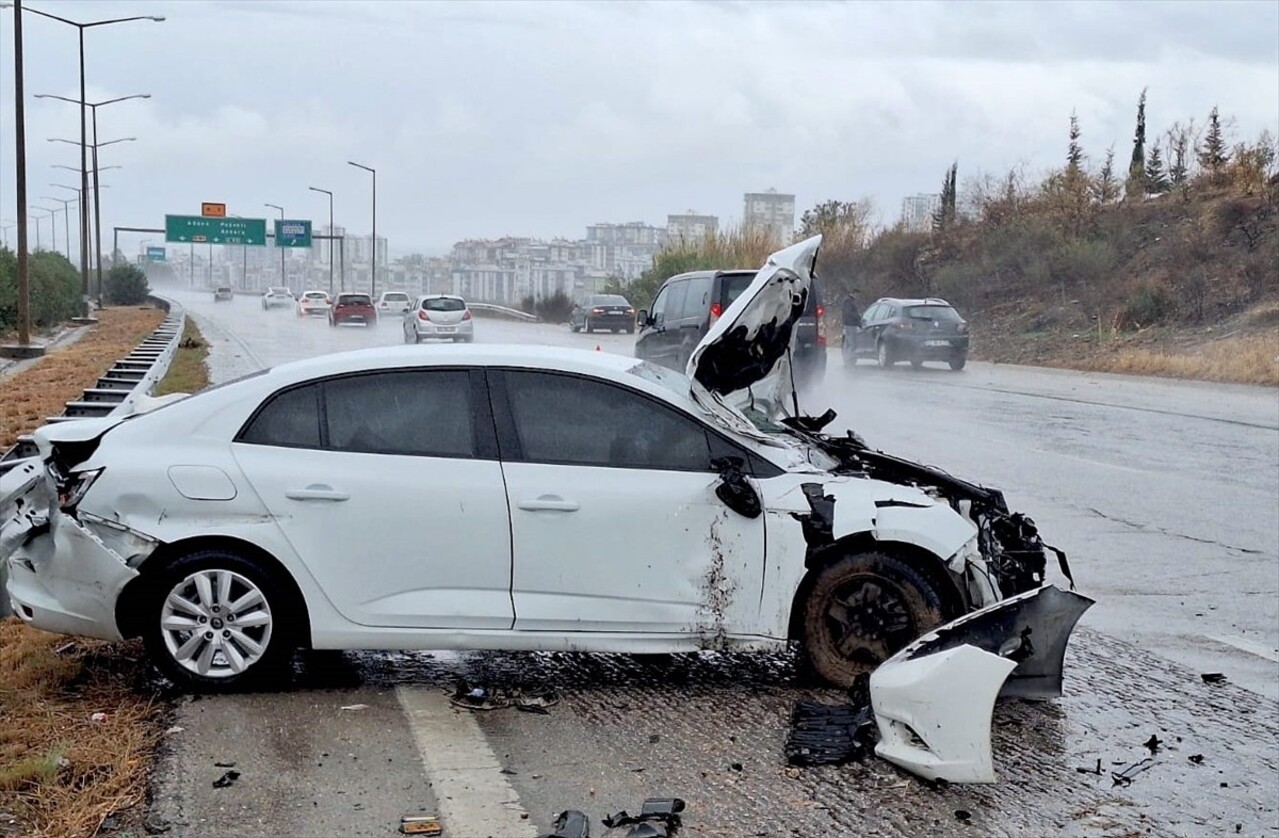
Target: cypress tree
1156	179
1137	167
1213	155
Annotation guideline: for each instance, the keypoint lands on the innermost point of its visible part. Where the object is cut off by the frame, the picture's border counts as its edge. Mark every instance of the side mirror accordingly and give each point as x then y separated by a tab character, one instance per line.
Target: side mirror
642	317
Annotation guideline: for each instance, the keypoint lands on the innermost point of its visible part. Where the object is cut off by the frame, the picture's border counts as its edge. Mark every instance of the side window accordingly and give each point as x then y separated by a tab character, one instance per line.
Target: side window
569	420
290	419
675	306
697	300
425	413
658	311
875	313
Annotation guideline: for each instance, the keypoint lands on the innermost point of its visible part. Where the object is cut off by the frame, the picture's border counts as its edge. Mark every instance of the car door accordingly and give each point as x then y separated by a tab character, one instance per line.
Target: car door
695	316
387	485
614	518
647	343
867	336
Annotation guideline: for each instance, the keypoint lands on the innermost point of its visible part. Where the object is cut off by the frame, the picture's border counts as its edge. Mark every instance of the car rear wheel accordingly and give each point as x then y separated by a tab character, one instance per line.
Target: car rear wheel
884	355
957	363
916	363
218	621
864	608
573	327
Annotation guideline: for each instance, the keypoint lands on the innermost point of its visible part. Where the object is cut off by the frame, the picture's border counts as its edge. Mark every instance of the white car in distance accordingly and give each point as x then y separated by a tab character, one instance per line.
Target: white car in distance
439	317
277	296
393	303
313	304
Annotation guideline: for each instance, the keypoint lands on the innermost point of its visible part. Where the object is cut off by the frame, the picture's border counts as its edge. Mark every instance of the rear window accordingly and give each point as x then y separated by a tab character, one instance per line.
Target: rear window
945	313
732	286
314	295
443	304
354	300
609	300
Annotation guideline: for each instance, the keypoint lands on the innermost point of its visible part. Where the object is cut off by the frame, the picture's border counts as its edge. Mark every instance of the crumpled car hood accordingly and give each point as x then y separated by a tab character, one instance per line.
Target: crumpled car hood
745	358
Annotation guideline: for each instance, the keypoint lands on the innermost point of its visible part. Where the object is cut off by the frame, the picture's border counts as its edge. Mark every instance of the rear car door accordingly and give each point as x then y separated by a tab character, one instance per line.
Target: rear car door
614	518
388	487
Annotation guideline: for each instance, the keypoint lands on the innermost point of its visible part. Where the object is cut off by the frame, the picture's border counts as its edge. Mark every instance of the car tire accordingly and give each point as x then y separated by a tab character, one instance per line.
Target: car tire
916	363
957	363
874	589
884	355
573	327
631	330
264	647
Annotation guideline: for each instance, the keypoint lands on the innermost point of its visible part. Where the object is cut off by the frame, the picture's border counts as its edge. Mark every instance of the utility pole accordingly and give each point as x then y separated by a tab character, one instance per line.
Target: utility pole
20	152
330	194
373	257
283	280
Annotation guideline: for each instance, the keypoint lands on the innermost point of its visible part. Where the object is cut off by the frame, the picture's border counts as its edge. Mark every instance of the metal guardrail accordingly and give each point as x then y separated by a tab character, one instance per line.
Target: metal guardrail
503	311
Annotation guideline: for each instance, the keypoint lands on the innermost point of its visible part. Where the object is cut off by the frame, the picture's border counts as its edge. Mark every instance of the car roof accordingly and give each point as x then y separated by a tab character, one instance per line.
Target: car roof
914	301
486	355
440	297
703	274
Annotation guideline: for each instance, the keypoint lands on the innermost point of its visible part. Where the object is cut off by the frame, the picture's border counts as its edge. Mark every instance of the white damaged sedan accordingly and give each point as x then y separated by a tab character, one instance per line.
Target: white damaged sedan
589	502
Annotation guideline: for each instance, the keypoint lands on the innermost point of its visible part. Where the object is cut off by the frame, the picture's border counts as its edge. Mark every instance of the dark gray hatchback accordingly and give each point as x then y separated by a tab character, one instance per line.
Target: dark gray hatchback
915	330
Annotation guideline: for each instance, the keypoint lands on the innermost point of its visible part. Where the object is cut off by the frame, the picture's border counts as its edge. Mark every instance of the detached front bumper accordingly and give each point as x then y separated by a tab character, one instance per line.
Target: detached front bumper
933	700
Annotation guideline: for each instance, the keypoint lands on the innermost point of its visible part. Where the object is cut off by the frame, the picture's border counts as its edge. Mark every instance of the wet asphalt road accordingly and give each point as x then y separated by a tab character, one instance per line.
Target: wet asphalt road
1165	495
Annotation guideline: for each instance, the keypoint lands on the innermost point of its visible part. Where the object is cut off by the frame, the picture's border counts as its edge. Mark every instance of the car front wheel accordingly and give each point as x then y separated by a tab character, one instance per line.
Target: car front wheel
218	621
884	355
957	363
864	608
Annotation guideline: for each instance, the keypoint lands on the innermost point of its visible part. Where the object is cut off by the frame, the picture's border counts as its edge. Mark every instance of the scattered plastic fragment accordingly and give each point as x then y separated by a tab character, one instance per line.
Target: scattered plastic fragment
98	717
658	818
1196	758
571	824
1096	770
1213	677
224	765
736	766
421	822
226	779
355	707
175	729
963	815
832	734
1153	743
1124	778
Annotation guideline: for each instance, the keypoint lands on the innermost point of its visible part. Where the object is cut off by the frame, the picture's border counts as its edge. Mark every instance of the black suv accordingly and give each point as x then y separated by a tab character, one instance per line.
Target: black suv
895	330
688	304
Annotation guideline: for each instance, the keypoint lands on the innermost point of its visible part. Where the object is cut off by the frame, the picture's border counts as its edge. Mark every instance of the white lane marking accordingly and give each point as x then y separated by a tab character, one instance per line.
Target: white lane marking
1243	644
473	796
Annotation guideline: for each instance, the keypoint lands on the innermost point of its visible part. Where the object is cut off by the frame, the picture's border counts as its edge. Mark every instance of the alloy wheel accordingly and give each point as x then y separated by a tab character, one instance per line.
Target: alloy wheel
216	623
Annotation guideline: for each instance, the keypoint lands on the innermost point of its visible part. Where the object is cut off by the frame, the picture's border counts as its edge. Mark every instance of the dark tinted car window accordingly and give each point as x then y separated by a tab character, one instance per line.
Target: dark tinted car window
945	313
732	286
443	304
354	300
697	300
564	419
425	413
676	292
608	300
290	419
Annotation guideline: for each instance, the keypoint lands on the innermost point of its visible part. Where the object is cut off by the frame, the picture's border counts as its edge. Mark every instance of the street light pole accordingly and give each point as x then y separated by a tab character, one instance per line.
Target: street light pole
283	280
19	124
84	139
373	258
53	225
330	194
66	217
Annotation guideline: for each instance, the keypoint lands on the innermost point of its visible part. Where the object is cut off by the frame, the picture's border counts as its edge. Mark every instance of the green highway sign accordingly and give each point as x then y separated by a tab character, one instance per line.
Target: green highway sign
195	229
292	233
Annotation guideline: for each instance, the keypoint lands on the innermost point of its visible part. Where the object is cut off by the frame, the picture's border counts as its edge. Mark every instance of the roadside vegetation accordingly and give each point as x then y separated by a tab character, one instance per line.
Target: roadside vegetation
55	290
1159	259
79	719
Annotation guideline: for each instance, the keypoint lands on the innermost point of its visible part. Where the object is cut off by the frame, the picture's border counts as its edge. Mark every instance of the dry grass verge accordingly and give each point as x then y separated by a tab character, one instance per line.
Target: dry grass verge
28	397
1243	360
61	773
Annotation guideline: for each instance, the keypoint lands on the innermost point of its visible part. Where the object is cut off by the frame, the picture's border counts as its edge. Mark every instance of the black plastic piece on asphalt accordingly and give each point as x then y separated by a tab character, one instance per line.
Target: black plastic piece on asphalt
1124	778
226	779
1096	770
1213	677
658	818
1153	743
571	824
1196	758
832	734
963	815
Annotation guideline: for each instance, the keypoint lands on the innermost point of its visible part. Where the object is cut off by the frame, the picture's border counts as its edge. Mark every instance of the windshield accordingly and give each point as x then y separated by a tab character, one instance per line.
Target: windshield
932	313
443	304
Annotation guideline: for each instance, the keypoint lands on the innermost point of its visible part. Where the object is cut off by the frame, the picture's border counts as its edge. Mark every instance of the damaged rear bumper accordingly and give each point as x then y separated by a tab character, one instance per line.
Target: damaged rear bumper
933	700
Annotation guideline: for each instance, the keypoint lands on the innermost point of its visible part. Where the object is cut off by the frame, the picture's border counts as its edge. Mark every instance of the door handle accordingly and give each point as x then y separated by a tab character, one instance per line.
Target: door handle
549	503
316	491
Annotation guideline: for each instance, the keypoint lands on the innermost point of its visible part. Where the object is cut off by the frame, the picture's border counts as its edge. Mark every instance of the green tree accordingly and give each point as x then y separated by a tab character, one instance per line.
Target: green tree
1075	152
1156	178
946	209
1106	187
1213	155
126	285
1136	186
834	215
1178	158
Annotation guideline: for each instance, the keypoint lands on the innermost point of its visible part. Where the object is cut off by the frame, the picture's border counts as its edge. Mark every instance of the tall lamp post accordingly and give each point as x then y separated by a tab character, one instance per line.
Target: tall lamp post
84	130
53	224
330	194
373	274
66	217
97	222
37	220
283	281
74	189
97	198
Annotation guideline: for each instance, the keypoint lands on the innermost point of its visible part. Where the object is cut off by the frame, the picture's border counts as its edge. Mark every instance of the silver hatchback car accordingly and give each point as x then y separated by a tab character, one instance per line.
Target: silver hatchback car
439	317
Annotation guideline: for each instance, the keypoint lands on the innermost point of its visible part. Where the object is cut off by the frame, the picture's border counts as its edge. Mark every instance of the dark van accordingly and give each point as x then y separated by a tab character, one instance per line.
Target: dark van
688	304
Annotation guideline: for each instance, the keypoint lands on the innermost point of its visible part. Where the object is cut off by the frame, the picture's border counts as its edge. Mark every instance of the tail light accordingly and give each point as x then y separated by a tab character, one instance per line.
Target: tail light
631	311
962	328
821	325
904	325
717	309
466	315
72	489
597	311
422	315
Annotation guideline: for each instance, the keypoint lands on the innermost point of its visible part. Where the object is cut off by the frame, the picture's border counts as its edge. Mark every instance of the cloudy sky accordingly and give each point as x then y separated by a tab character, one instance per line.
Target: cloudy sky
527	118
